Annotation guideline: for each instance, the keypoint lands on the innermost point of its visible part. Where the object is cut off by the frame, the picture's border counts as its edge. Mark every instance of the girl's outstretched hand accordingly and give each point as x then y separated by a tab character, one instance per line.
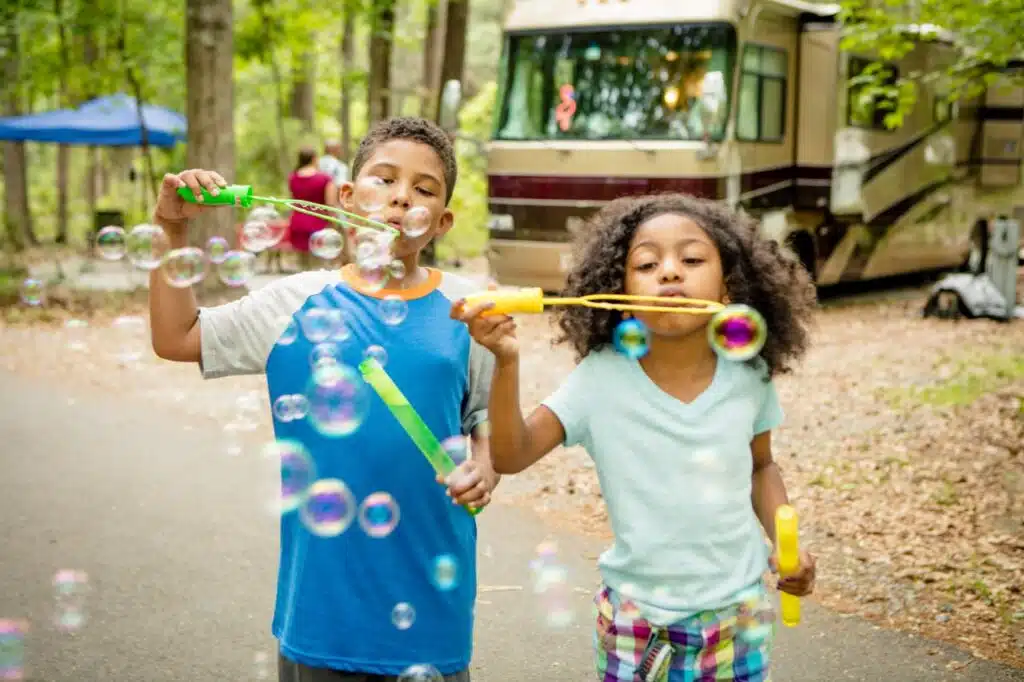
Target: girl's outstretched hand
496	333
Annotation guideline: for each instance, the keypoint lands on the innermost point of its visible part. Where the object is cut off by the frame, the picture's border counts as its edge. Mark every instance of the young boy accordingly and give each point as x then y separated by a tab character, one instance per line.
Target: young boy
354	607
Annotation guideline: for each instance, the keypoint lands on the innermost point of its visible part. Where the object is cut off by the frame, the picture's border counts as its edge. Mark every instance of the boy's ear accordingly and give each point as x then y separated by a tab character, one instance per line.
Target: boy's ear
345	191
444	223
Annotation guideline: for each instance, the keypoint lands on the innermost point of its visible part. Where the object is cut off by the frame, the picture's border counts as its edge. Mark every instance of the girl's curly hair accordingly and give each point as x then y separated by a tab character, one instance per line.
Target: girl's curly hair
757	272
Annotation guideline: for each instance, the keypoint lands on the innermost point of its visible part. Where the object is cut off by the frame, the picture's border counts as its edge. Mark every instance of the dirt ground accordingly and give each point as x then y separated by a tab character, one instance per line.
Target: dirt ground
903	449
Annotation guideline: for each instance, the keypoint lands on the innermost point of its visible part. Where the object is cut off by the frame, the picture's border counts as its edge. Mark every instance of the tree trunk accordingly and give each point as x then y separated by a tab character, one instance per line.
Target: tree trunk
89	56
456	22
63	151
16	207
381	39
431	58
210	106
347	49
303	76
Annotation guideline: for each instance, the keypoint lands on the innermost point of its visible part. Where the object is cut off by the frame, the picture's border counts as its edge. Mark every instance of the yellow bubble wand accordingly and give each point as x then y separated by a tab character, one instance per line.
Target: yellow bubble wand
788	555
533	300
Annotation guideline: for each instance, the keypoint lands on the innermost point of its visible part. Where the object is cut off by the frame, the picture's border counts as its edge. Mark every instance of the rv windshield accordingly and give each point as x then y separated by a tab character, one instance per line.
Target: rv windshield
613	84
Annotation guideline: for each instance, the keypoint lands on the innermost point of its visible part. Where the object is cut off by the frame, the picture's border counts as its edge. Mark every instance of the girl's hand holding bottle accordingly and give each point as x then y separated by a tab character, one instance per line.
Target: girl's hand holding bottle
496	333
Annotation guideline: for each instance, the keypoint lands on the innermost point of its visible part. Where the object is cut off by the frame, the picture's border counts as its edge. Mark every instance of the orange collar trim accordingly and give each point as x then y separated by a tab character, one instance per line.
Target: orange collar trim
350	275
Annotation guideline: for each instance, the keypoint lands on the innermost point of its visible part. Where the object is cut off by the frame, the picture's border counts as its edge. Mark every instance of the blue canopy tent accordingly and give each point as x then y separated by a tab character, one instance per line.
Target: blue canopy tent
103	122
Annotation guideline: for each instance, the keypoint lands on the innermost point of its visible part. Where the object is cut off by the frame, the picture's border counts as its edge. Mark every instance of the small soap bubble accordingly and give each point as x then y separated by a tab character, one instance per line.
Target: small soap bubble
326	243
217	249
457	448
12	649
110	243
184	267
377	353
373	278
255	236
75	329
290	332
416	222
71	587
397	269
551	583
378	515
324	353
32	292
318	324
393	310
631	338
328	508
237	268
289	408
146	245
338	399
370	194
403	615
737	332
445	572
422	672
297	472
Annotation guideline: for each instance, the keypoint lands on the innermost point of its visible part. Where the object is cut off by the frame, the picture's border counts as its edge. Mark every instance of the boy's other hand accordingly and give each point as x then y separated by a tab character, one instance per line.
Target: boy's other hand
470	484
800	583
496	333
171	208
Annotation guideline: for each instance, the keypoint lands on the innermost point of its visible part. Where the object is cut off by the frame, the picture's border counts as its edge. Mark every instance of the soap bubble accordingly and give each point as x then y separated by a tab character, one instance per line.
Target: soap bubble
32	292
320	324
184	267
12	649
393	310
297	472
146	245
737	332
256	236
631	338
377	353
379	515
457	448
445	573
370	194
416	222
237	268
289	408
328	508
403	616
110	242
326	243
217	249
75	342
326	352
397	269
421	672
338	399
71	587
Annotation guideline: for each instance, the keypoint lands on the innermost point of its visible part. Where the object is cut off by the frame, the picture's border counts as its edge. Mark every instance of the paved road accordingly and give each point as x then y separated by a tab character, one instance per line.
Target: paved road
182	561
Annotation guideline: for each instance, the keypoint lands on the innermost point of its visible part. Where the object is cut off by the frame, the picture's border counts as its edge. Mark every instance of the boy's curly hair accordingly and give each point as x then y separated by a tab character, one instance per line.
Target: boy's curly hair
757	272
418	130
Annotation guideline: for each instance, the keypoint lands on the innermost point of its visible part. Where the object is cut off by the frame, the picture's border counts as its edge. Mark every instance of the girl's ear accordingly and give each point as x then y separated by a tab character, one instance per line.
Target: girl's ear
626	314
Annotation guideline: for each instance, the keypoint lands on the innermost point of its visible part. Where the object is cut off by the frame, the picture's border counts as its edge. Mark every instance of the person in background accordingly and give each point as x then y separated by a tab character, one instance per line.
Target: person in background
309	183
333	164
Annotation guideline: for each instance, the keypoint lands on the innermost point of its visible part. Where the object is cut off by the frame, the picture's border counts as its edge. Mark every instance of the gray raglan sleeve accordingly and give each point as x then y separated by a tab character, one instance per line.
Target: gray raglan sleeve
474	406
237	337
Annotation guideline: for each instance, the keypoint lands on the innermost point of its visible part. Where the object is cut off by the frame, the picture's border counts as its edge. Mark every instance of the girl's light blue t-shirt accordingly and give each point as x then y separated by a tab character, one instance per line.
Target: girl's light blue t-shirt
676	478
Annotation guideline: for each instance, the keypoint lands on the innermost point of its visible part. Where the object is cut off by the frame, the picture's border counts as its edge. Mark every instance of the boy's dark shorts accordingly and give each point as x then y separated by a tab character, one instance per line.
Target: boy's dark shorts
290	671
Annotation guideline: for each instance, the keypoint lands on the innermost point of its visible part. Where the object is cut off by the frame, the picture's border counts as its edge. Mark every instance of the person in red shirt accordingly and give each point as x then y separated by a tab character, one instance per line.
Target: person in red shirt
308	183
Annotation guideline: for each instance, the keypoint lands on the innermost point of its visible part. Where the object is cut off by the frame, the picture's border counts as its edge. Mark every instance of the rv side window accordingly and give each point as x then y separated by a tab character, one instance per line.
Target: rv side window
867	109
762	103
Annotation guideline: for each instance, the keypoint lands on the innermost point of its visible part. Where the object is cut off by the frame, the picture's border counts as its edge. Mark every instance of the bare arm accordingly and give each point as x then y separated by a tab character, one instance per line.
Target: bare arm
173	312
516	443
768	491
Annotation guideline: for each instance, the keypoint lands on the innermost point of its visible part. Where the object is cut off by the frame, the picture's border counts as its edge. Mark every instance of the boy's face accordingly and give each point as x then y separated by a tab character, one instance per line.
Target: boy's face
411	176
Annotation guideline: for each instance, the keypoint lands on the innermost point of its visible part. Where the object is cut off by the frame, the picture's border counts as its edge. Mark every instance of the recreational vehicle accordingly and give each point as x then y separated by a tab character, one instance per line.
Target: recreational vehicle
745	101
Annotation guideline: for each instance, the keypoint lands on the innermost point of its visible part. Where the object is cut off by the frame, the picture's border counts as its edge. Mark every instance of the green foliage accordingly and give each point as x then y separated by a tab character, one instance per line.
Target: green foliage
469	202
988	36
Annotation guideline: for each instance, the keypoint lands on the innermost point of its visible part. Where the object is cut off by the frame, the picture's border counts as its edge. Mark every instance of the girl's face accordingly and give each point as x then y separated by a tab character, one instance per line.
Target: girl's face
671	255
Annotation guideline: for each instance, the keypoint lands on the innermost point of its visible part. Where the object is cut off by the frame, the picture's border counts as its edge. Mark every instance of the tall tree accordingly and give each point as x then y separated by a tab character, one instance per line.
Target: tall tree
432	45
453	64
18	218
64	97
990	36
209	64
347	48
382	26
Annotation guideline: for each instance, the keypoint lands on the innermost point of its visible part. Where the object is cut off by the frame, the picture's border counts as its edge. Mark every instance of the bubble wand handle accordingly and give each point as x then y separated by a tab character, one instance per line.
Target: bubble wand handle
532	300
409	419
232	195
788	556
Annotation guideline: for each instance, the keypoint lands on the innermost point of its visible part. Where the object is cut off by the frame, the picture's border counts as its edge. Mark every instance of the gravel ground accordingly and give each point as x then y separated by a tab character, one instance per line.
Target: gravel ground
903	449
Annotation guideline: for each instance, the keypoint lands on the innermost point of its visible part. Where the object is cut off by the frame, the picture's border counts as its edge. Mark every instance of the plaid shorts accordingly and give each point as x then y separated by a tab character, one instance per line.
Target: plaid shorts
733	643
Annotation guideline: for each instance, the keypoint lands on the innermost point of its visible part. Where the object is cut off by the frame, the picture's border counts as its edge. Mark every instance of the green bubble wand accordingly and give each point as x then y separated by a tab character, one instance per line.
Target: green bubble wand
374	374
242	196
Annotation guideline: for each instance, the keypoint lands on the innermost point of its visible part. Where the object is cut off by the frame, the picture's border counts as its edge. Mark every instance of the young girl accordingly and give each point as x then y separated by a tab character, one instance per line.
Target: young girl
681	439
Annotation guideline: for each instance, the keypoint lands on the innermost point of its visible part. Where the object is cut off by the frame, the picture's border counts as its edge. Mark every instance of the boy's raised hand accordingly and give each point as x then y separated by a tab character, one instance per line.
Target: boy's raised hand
496	333
171	208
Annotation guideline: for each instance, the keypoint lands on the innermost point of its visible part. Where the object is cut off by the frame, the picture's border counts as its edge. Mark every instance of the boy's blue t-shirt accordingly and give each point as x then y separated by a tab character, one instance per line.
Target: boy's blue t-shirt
353	601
